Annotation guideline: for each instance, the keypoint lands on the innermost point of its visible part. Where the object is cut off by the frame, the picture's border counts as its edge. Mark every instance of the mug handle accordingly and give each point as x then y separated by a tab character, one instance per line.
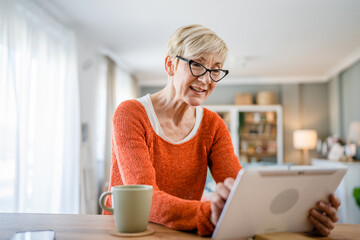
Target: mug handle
101	202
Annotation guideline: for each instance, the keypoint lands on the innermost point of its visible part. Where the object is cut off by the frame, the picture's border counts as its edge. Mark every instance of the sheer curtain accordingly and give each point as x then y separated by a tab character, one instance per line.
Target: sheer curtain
110	108
39	109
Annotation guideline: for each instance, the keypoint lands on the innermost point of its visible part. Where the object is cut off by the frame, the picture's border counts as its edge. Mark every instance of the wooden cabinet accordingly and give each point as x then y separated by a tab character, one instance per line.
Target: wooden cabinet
256	131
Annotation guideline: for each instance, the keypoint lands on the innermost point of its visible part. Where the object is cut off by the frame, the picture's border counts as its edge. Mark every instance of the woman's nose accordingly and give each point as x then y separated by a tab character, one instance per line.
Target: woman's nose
205	78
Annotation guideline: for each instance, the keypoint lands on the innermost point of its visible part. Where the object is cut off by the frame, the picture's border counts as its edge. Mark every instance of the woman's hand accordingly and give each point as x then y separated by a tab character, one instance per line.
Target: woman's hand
325	216
218	199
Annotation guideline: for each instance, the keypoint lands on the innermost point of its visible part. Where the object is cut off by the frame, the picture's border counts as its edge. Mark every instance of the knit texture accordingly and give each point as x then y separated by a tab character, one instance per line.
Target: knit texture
177	172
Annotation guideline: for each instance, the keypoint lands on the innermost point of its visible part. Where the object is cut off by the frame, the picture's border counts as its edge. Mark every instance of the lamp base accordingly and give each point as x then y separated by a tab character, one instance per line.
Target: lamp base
305	157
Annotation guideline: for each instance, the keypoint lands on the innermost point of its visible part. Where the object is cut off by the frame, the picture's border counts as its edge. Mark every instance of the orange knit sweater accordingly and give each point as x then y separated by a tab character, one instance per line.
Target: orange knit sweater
176	171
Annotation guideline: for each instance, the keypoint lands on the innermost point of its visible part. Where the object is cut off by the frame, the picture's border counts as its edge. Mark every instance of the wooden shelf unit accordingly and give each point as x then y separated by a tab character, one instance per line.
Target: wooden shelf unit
266	131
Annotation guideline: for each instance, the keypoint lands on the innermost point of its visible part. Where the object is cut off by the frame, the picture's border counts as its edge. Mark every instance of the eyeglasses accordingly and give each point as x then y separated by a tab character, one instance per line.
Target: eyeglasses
198	70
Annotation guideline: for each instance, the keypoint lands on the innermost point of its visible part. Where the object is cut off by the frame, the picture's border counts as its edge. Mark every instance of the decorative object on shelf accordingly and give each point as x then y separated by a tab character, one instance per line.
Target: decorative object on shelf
321	148
265	98
354	136
257	136
243	99
334	149
336	152
350	151
305	140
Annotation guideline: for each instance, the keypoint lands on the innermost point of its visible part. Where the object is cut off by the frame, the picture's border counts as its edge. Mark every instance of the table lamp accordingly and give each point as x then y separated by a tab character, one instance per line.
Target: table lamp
305	140
354	136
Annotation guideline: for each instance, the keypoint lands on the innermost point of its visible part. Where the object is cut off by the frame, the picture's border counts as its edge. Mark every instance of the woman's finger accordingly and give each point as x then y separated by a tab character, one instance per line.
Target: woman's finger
222	190
215	213
320	228
335	202
329	210
323	219
216	206
217	200
229	182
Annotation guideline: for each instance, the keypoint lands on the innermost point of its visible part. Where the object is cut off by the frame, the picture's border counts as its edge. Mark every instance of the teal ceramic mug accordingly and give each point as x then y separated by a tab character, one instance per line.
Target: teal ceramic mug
131	206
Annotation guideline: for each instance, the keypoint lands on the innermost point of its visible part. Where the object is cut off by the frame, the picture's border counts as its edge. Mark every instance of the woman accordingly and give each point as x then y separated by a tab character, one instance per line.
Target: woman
167	140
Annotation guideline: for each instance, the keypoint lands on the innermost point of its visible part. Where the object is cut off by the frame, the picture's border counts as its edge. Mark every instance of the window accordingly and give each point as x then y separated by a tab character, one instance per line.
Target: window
39	109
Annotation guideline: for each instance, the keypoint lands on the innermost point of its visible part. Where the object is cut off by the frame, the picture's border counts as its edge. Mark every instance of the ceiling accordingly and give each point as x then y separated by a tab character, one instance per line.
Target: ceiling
269	41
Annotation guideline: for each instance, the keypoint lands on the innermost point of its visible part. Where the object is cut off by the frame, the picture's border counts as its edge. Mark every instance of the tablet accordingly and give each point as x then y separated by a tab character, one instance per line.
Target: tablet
275	199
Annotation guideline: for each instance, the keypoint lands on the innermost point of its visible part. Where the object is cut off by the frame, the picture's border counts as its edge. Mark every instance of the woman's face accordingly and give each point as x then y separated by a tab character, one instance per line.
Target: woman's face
195	90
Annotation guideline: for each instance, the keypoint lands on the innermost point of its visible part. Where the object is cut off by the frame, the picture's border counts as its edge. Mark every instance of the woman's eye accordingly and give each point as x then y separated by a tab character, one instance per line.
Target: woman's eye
215	72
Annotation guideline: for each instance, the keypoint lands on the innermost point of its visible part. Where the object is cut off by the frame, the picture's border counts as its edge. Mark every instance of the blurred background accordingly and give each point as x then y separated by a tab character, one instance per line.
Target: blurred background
65	66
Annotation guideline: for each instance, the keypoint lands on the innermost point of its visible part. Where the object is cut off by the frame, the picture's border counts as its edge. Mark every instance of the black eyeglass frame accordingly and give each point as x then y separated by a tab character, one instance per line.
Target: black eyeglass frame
207	70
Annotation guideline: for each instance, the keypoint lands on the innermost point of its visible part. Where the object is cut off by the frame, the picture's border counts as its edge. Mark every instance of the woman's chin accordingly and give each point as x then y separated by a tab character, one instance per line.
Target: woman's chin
195	101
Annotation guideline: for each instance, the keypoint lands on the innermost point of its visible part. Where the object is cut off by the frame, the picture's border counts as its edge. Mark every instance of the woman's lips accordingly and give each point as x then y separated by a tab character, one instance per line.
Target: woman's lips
197	89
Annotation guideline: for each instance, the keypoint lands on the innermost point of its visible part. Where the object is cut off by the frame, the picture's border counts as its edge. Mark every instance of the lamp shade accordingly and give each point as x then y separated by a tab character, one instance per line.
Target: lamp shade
354	132
305	139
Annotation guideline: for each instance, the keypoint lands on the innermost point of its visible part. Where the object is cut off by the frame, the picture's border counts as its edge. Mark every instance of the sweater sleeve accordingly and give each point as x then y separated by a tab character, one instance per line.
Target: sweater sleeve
135	167
223	162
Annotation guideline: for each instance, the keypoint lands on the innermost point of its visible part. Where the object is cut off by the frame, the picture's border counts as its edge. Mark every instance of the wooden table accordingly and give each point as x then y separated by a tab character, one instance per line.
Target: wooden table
68	226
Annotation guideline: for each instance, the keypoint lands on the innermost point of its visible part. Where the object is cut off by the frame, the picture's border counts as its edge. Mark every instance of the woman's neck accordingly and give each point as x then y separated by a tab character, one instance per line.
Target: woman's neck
168	106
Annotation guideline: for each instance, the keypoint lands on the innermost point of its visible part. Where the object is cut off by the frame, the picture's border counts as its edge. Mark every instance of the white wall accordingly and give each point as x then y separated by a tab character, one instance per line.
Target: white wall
88	59
88	79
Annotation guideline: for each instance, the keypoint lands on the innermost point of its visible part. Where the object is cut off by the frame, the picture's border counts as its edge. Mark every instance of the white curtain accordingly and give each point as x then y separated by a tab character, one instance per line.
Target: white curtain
110	108
39	112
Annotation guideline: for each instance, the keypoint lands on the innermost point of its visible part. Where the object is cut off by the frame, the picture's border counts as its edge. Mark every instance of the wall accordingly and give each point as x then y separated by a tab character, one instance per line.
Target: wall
328	108
292	120
350	97
304	106
89	85
88	81
344	99
143	90
225	94
314	108
334	106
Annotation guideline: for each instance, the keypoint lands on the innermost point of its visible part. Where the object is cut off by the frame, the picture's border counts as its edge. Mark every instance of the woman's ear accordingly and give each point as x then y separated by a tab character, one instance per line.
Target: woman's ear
169	66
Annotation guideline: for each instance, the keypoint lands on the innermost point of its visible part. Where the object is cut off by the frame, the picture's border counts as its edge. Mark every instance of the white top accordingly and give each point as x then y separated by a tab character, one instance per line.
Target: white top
146	102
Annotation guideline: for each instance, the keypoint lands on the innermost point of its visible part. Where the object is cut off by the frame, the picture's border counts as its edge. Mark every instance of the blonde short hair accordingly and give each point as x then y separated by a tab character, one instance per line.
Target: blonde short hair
195	41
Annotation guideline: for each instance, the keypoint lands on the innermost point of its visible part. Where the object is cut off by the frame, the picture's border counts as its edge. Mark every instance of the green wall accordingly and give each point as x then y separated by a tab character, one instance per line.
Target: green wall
344	100
350	97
